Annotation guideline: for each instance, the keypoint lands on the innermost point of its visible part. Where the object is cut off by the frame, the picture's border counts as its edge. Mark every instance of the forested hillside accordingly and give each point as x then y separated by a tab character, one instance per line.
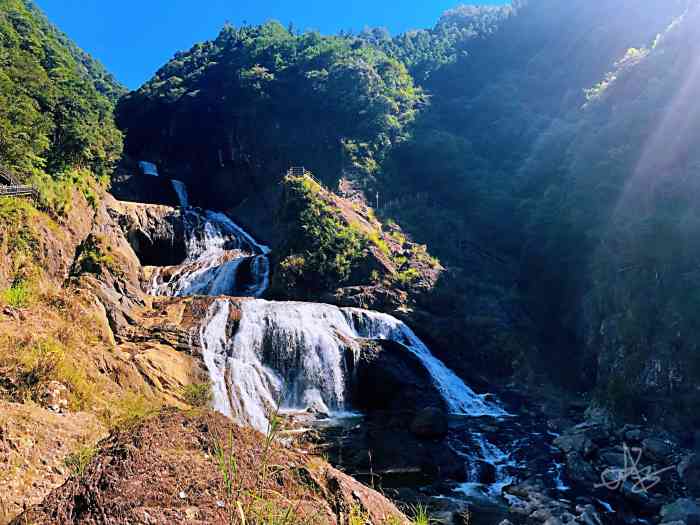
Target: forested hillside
56	103
552	138
532	142
243	107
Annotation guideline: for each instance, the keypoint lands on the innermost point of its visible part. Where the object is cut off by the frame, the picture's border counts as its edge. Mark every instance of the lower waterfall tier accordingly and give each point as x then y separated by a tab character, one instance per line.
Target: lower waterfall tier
301	356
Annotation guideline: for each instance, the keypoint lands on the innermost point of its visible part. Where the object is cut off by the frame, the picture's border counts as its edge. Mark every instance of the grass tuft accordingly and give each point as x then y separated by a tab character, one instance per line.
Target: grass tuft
79	460
198	395
20	295
420	515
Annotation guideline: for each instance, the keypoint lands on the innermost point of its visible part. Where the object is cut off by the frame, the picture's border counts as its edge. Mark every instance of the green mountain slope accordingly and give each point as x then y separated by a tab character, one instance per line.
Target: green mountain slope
256	100
56	102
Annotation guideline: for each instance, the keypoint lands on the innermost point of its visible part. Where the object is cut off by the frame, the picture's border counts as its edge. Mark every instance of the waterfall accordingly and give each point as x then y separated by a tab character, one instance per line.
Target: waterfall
148	168
222	259
293	355
181	191
283	354
213	336
459	397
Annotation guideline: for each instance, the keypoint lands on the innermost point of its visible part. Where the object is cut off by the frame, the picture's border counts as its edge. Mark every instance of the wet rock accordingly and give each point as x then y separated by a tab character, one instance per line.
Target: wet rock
450	511
319	410
689	473
638	496
578	443
543	515
589	516
567	517
613	458
657	449
397	455
553	521
387	377
599	417
579	469
632	433
684	510
430	423
487	473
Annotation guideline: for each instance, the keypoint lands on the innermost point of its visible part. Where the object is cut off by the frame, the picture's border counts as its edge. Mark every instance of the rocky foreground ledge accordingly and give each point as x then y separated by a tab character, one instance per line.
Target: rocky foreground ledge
200	468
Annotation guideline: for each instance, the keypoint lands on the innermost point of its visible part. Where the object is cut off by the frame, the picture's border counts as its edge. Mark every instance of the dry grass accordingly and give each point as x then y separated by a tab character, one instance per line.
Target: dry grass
50	341
170	464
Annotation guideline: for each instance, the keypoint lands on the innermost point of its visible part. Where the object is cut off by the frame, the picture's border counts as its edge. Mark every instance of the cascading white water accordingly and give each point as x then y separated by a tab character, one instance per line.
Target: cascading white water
148	168
491	455
181	191
286	355
213	335
293	355
218	251
459	397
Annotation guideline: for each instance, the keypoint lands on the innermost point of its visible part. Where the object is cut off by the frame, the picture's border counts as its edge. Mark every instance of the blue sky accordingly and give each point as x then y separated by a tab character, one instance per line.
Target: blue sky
134	38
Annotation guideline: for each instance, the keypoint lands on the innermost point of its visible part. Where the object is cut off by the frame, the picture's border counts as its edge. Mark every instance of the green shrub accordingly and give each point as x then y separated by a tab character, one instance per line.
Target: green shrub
39	363
376	239
17	217
79	460
95	257
130	410
198	395
420	515
31	366
321	250
407	277
290	272
19	295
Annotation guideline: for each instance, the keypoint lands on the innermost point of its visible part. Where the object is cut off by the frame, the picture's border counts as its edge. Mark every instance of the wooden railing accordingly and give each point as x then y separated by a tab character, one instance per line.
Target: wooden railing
19	191
300	171
7	176
297	171
11	187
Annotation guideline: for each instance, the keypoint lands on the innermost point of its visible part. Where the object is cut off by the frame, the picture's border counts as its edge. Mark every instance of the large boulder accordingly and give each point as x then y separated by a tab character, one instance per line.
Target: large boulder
575	442
387	376
658	449
689	473
684	510
430	423
156	233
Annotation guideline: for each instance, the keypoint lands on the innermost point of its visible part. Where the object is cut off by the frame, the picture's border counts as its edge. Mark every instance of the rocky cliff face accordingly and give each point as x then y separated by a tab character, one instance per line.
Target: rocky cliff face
71	308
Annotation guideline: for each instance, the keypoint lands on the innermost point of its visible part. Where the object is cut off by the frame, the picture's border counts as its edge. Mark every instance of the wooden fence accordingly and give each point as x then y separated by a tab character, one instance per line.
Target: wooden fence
19	191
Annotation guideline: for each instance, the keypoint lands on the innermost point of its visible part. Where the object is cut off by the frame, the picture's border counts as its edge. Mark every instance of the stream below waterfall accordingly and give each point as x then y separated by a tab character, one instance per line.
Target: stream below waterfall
497	452
293	356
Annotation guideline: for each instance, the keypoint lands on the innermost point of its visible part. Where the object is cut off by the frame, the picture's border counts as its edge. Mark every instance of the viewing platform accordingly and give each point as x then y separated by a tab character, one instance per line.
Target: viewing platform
11	187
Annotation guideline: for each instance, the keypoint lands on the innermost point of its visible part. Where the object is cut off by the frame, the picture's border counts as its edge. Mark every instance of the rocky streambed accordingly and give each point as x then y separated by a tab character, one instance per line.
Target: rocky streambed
534	466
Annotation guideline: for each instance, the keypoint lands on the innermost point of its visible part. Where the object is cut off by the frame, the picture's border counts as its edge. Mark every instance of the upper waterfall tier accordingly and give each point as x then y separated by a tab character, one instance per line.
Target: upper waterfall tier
222	259
181	190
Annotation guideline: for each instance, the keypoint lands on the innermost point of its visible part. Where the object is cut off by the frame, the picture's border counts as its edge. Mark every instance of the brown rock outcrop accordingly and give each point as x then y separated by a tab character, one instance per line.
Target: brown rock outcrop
168	470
